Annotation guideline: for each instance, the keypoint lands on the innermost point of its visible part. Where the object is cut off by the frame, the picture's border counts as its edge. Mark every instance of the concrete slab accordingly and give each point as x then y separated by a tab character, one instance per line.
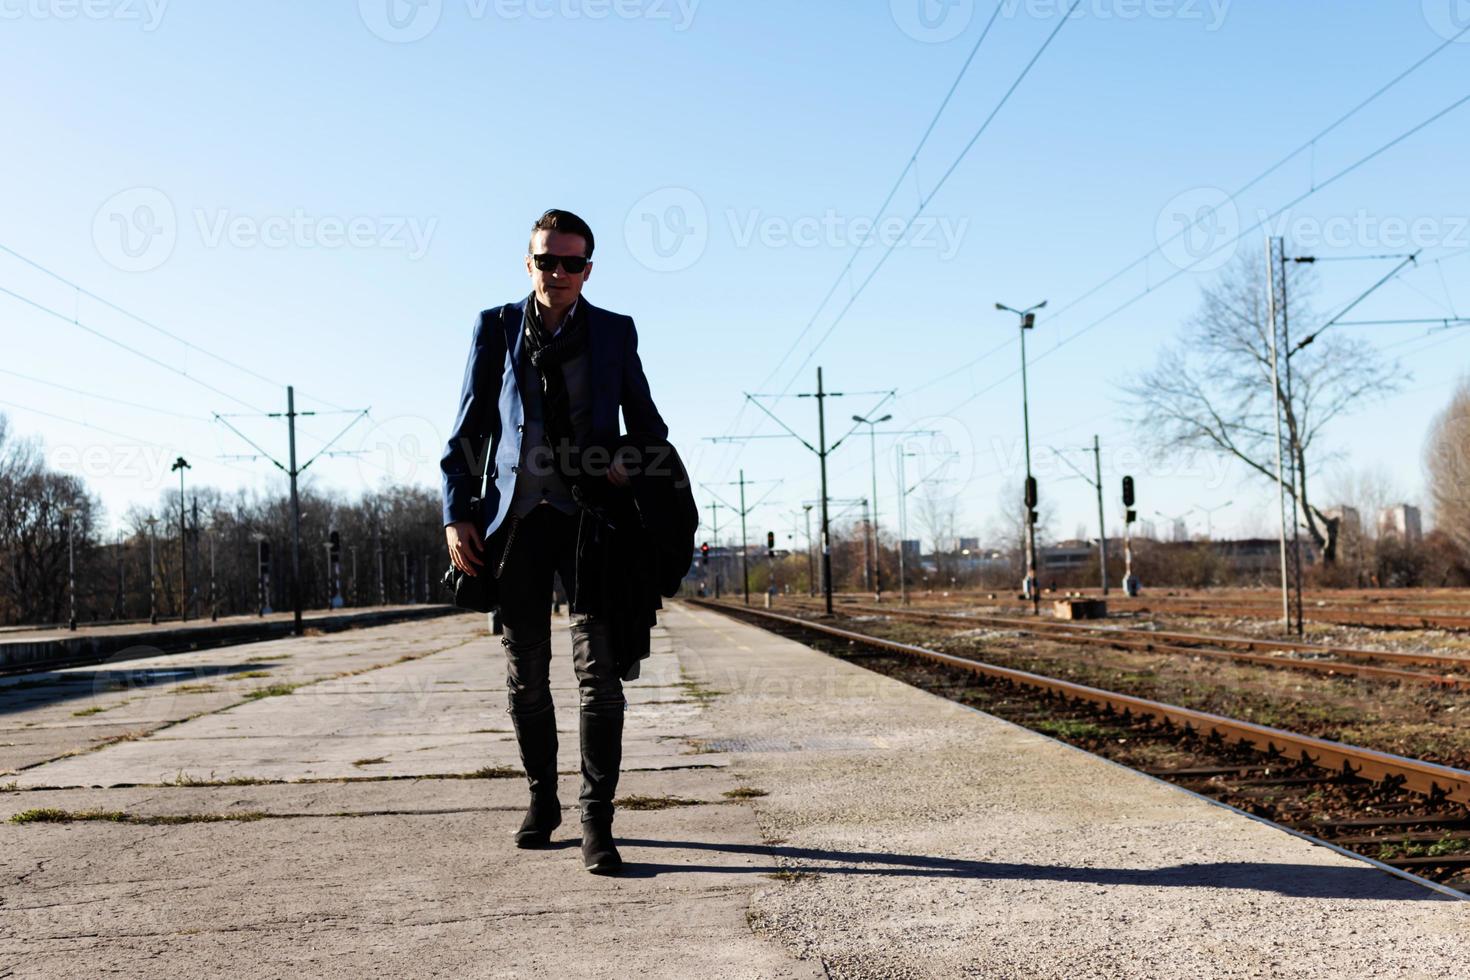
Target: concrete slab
929	840
333	852
900	835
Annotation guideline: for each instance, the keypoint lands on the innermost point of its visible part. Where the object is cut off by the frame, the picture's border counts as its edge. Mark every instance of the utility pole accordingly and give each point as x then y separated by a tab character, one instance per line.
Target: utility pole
903	528
1028	322
180	465
378	539
867	549
821	450
293	471
811	556
744	545
1102	526
1101	519
152	575
71	564
1279	249
714	515
1271	300
872	425
213	606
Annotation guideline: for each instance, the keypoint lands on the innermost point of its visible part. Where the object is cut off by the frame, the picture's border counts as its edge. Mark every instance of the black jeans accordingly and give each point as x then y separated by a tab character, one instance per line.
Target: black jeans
544	544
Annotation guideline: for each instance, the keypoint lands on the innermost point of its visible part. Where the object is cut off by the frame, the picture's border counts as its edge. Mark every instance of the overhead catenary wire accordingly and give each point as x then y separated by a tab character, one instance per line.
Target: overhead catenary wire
909	167
1357	164
144	321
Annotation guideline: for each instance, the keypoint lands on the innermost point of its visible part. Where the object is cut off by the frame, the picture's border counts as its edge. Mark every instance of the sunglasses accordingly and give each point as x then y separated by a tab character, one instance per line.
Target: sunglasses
572	264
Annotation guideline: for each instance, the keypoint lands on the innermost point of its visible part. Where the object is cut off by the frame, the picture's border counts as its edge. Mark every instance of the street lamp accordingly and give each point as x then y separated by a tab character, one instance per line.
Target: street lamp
1028	322
872	425
180	465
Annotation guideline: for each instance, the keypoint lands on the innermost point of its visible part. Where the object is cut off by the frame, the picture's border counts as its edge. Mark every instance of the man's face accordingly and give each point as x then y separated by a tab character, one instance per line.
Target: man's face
557	288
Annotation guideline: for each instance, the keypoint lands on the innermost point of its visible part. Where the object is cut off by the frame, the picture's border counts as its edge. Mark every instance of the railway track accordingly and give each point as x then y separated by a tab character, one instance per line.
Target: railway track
1407	813
1451	672
1333	609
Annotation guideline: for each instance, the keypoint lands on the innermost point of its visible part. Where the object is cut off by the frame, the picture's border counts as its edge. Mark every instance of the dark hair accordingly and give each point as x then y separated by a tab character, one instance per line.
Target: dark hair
567	223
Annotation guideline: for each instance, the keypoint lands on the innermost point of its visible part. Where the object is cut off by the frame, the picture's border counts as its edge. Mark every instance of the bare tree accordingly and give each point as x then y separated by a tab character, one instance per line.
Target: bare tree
1212	390
1447	460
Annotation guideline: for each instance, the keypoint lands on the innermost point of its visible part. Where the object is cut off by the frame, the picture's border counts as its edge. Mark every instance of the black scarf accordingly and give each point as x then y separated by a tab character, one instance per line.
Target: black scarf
548	353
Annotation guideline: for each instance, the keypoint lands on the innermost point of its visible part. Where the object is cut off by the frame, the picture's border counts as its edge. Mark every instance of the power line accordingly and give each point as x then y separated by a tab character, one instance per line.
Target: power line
106	398
924	202
922	205
1362	161
113	432
897	183
76	322
82	290
1273	168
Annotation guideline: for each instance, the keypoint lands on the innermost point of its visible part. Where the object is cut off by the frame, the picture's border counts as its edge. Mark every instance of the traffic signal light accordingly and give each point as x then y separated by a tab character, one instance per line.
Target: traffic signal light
771	543
1127	491
1028	321
1031	492
335	540
704	553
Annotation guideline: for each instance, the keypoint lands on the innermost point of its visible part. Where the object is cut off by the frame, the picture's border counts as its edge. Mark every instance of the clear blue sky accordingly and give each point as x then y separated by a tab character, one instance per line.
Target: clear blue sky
330	198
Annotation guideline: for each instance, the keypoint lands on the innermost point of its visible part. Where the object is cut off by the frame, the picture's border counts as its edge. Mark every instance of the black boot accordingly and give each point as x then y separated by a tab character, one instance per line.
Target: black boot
542	817
535	726
599	853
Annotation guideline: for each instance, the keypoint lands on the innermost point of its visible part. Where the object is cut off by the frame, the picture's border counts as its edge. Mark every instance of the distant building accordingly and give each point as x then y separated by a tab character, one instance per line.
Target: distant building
1401	521
912	550
1066	555
969	544
1348	520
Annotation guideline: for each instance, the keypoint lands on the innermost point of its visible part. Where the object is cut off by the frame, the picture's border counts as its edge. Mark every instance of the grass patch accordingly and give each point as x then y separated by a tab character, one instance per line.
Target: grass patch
11	787
96	709
487	772
253	673
1069	728
371	762
698	746
54	815
273	691
654	802
743	793
196	688
788	875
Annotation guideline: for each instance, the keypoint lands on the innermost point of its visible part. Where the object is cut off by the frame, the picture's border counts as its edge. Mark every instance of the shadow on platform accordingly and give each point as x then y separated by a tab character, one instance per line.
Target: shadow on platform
1290	880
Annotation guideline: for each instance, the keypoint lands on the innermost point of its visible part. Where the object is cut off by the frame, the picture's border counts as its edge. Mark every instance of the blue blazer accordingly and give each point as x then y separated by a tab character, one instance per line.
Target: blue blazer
492	412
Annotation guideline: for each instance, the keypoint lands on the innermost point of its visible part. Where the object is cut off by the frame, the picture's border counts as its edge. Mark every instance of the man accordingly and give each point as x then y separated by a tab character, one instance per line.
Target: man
546	377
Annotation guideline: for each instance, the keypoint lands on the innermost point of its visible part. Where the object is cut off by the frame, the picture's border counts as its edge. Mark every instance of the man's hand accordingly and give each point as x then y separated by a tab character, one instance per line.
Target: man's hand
466	550
616	474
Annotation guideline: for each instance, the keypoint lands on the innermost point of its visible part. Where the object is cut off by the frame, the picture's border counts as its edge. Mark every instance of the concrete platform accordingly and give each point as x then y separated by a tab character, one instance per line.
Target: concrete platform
355	820
28	648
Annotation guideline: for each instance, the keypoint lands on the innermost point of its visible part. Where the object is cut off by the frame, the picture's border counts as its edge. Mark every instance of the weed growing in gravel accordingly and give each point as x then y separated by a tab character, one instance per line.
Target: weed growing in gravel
654	802
371	762
743	793
273	691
